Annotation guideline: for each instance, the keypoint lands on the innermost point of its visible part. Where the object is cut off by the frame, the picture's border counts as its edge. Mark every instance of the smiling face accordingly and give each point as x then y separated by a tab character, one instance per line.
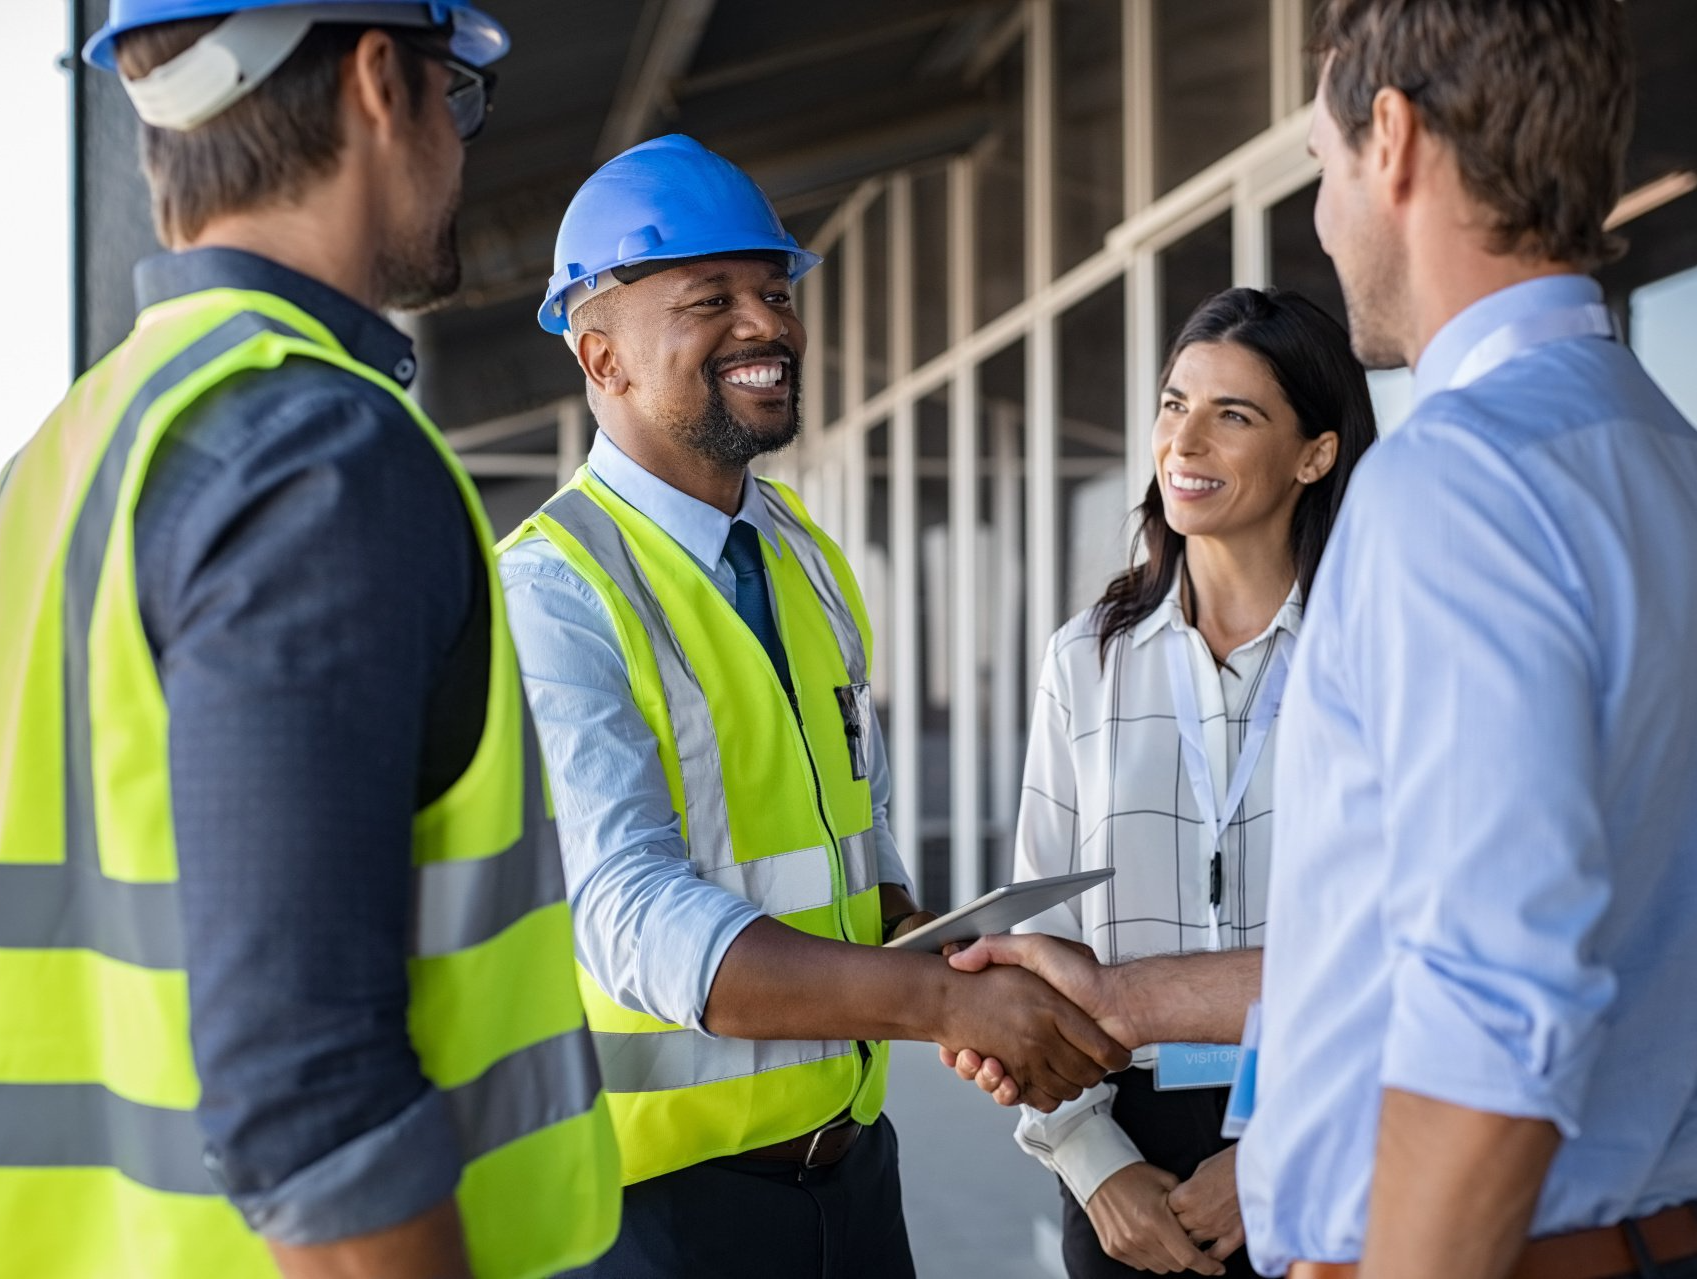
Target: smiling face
1230	456
711	352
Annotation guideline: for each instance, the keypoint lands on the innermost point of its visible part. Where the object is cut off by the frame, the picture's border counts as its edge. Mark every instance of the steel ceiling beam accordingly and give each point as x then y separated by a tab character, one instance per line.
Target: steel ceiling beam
812	53
669	35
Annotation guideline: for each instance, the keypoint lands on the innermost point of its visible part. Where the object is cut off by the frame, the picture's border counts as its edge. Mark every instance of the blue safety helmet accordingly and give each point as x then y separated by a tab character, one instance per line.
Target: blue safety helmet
477	39
664	200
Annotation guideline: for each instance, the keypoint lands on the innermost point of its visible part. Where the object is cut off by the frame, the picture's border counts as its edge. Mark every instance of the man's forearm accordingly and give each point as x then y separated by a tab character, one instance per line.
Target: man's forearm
776	982
430	1246
1453	1189
1198	998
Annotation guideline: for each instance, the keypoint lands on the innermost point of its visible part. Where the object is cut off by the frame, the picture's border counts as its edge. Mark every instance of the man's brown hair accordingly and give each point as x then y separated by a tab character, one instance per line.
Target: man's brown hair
266	147
1534	96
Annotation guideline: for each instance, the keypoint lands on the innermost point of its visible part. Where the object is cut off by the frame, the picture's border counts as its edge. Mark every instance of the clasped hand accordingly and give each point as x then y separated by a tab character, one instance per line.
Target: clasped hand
1045	1047
1066	966
1146	1218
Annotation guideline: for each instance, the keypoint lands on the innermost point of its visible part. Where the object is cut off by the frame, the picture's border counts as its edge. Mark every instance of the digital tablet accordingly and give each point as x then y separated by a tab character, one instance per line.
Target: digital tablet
999	910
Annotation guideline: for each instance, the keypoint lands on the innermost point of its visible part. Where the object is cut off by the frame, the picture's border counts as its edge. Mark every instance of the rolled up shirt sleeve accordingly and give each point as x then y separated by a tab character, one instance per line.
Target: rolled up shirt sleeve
650	931
1480	689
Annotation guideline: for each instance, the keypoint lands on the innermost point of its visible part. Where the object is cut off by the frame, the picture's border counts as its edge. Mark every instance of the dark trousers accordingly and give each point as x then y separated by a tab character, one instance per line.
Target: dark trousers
753	1218
1174	1130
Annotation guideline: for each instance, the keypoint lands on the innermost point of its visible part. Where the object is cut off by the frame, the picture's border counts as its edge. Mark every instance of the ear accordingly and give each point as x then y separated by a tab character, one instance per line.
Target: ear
373	87
1318	459
600	363
1393	141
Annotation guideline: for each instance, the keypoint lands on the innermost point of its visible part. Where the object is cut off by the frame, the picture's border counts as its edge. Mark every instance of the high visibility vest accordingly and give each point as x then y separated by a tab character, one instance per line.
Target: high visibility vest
773	803
101	1166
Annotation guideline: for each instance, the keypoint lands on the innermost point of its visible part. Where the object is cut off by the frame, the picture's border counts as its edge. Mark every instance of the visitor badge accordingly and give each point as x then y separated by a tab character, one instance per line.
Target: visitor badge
1195	1065
1240	1102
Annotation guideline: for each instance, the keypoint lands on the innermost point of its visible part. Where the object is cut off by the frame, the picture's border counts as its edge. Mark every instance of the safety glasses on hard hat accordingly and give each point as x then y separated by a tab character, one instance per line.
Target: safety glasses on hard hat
471	91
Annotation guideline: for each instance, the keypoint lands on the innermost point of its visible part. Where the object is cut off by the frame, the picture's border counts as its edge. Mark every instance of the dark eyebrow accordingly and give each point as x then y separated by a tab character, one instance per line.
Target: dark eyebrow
1238	402
1174	391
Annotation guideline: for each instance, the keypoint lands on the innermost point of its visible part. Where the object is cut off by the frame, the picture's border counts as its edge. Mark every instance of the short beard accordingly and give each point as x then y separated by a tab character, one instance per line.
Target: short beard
421	276
1373	304
718	437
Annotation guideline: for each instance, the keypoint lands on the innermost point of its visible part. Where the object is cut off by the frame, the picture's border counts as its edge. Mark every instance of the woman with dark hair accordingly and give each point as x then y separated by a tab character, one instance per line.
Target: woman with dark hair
1151	751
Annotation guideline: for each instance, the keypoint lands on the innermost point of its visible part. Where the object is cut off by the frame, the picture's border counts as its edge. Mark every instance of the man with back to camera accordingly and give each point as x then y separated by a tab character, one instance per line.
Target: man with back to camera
696	652
1476	1020
261	917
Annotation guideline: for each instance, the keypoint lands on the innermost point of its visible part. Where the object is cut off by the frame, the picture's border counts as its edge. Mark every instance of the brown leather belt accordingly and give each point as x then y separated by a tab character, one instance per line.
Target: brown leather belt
1602	1253
816	1149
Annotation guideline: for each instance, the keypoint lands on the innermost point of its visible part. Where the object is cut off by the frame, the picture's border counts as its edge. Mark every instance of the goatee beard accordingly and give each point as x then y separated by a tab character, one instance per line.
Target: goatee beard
719	437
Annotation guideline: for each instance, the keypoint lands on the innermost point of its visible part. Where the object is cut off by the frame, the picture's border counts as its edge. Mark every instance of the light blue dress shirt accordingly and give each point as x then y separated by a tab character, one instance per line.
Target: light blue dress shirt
651	932
1484	880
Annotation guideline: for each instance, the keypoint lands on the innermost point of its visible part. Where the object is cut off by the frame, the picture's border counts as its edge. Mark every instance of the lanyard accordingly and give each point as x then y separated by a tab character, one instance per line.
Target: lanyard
1195	754
1590	320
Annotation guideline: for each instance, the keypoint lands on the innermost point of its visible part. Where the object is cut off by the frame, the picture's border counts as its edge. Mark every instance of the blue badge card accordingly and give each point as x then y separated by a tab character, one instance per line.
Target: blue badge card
1195	1065
1240	1103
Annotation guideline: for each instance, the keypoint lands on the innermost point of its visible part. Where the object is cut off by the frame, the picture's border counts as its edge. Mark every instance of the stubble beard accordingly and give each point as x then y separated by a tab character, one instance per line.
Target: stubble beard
719	437
423	273
1374	294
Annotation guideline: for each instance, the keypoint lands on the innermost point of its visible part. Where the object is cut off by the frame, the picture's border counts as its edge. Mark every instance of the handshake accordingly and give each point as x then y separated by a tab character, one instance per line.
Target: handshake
1045	1022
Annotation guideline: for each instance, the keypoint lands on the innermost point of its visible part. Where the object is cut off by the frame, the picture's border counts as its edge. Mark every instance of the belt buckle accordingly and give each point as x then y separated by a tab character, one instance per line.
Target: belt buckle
818	1136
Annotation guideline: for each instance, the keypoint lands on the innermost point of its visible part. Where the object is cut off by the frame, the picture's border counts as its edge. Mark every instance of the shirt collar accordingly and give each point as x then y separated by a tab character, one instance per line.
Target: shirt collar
1168	614
364	334
694	525
1465	330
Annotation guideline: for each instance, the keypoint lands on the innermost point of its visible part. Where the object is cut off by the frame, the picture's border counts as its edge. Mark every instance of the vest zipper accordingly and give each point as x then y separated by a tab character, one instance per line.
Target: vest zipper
825	821
819	803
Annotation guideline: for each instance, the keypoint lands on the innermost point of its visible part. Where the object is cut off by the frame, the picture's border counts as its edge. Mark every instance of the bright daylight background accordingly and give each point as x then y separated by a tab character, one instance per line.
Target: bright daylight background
35	328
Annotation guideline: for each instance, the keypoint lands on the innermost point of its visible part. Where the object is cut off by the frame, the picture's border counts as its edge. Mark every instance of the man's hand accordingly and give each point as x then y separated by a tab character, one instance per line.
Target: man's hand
1068	966
1048	1049
1206	1205
1136	1225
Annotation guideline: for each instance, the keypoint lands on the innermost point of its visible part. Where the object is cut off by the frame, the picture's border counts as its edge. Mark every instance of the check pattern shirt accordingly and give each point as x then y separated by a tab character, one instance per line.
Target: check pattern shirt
1105	786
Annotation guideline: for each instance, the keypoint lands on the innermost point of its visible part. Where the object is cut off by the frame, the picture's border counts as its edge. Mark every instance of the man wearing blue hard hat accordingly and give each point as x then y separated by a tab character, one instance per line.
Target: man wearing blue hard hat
696	653
275	856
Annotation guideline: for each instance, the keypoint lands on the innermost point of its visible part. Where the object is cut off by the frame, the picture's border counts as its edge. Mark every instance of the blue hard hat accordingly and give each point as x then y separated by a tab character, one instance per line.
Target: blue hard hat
665	199
477	38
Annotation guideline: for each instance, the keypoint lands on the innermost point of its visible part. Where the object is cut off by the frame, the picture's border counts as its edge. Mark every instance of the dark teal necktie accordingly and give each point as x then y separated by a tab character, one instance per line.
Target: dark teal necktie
742	553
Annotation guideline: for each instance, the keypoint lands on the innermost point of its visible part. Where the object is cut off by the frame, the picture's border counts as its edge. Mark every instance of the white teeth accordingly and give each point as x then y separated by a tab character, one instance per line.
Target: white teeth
756	375
1193	484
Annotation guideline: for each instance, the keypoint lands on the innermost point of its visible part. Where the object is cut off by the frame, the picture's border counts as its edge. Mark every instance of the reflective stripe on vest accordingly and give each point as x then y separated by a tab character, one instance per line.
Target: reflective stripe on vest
96	1075
88	1126
460	902
655	1061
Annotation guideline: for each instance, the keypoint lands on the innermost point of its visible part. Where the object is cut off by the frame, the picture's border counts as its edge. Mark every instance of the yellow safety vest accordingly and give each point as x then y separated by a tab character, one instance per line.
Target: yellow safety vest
101	1170
773	803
